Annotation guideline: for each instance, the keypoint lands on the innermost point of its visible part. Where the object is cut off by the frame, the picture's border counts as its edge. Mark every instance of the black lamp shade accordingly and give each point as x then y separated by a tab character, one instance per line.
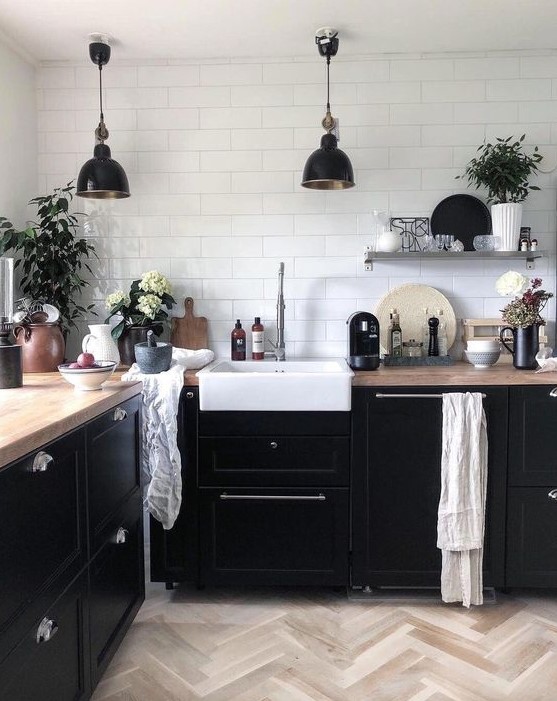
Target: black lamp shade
101	177
328	168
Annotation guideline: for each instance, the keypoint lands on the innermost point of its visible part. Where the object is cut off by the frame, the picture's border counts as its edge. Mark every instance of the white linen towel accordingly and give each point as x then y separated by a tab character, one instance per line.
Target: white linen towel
160	457
461	515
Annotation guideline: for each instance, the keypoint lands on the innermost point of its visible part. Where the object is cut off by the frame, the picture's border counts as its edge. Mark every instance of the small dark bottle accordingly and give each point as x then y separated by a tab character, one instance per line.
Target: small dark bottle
238	342
257	341
433	348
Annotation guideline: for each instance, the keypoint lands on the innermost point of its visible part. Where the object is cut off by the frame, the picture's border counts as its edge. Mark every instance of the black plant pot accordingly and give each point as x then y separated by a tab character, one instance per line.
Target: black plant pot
126	343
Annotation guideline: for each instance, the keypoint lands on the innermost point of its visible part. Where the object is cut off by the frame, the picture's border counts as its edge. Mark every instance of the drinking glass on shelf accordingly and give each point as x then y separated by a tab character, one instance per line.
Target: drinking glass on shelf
449	241
440	241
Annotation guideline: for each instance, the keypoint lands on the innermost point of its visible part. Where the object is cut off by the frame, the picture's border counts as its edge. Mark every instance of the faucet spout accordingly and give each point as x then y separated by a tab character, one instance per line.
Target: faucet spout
279	350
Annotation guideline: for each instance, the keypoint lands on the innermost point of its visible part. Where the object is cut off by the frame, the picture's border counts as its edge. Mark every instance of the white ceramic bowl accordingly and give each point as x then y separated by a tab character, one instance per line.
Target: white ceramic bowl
483	345
483	359
87	379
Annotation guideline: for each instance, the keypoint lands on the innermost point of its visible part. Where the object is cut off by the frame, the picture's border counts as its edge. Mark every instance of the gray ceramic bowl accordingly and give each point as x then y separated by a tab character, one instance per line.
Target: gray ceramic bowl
154	359
483	359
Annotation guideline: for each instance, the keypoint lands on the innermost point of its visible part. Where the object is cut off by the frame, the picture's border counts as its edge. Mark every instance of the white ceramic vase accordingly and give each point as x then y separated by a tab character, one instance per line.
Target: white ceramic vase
100	343
506	219
388	241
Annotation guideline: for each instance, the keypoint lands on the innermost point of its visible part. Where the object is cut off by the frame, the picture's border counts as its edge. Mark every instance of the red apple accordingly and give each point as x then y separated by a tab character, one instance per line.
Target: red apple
74	366
85	360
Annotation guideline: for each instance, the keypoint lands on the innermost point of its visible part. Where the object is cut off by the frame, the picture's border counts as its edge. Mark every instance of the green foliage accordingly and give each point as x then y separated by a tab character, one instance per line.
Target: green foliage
51	256
503	169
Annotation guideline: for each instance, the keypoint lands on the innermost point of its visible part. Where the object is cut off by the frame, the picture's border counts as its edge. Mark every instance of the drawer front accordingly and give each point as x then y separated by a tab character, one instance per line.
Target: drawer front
113	464
532	537
117	586
49	662
266	461
532	436
277	423
42	530
286	536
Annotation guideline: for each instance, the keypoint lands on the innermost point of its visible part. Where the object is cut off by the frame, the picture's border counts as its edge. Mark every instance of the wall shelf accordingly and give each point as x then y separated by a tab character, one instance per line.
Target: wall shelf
528	256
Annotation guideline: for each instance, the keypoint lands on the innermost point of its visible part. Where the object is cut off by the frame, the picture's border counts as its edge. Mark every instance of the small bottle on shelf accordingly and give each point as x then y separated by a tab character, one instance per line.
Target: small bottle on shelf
238	342
534	245
395	336
442	342
257	340
425	331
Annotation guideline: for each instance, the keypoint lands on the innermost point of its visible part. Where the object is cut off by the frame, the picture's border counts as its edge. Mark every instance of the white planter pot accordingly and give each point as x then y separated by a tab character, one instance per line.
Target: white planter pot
506	219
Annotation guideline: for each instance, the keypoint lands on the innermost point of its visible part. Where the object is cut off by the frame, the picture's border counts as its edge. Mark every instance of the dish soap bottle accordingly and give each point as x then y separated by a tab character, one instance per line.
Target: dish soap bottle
395	336
442	342
238	342
257	340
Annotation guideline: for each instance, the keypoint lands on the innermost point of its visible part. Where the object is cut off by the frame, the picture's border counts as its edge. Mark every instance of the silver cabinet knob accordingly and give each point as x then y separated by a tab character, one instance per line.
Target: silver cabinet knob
121	536
274	445
552	494
553	392
46	631
189	395
41	462
119	414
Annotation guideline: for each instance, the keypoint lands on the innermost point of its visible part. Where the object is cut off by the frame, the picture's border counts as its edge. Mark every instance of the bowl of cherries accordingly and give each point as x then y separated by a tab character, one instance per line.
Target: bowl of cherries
86	373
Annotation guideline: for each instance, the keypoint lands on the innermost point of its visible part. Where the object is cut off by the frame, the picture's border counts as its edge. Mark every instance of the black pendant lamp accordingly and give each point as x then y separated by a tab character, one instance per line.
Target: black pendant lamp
328	168
101	177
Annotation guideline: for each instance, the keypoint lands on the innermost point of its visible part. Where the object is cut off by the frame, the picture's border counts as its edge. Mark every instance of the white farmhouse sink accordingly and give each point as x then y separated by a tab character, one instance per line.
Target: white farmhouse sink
261	385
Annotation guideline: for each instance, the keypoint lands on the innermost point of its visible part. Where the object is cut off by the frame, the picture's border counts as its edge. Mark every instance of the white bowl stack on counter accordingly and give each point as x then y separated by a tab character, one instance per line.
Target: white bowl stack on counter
483	352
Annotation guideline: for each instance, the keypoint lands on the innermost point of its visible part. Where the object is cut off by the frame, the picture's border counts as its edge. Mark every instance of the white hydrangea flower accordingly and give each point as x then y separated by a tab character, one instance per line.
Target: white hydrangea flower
154	282
115	298
511	284
149	305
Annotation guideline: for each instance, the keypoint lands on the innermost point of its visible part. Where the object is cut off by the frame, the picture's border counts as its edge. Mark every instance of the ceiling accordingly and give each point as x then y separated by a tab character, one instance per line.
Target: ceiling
192	29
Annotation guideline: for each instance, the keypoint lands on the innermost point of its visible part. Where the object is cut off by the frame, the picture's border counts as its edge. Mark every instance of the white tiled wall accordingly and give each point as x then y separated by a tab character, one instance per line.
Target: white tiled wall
214	154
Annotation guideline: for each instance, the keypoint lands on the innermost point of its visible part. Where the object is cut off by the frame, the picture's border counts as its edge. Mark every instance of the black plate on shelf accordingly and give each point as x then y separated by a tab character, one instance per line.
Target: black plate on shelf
464	216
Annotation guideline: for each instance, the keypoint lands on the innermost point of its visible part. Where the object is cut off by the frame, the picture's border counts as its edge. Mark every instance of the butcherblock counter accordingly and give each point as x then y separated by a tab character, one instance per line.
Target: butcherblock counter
47	406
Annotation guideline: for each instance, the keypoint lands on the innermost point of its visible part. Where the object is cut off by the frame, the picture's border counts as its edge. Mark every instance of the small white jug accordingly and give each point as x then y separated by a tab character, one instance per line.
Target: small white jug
100	343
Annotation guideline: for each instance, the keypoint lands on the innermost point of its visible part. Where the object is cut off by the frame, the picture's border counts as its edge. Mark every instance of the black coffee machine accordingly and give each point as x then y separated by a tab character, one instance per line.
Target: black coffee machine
363	341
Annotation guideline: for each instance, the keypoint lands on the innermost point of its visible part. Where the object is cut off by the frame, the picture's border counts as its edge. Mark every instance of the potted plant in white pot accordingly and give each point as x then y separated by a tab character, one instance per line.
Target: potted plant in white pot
503	169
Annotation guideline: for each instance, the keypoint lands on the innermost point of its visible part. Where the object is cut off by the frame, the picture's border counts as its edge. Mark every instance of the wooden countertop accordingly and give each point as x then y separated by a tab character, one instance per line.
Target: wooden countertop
47	406
460	373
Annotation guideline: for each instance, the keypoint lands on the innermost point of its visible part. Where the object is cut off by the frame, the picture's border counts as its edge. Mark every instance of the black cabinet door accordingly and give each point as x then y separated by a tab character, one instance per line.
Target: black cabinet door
42	527
112	464
532	537
396	462
533	436
286	536
117	587
54	669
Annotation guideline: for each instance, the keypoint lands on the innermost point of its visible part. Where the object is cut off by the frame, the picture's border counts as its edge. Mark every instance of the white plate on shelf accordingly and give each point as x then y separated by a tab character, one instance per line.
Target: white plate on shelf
410	300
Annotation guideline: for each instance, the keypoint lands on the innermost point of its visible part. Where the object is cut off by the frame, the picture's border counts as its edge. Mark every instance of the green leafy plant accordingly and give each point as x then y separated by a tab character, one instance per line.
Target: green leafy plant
51	255
503	169
143	305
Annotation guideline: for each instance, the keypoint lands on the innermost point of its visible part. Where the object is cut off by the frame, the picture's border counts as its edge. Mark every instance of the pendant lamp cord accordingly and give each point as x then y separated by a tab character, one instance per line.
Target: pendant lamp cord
328	64
101	132
328	121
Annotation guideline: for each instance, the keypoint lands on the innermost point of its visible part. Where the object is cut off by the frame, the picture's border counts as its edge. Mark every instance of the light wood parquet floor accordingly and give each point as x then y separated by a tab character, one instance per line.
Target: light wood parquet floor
315	645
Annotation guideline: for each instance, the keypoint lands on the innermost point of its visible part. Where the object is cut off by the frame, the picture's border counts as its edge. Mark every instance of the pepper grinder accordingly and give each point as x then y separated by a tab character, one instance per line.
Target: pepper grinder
433	348
11	374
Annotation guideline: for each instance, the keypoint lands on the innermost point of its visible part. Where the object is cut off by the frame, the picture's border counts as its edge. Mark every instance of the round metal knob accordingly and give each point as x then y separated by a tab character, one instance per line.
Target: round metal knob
552	494
189	395
274	445
46	631
121	536
553	392
41	462
119	414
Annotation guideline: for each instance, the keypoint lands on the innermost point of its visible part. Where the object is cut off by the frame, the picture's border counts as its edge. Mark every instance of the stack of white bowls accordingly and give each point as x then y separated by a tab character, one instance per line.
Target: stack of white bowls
483	352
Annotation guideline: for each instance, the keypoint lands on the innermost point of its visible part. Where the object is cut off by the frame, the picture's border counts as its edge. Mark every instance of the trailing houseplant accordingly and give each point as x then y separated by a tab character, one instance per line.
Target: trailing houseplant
51	256
504	170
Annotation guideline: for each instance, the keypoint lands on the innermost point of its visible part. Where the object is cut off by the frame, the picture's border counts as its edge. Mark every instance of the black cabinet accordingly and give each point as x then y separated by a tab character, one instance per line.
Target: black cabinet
66	600
281	536
396	459
532	495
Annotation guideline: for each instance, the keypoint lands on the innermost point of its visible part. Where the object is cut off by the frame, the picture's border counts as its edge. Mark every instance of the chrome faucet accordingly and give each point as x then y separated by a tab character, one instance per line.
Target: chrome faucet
279	351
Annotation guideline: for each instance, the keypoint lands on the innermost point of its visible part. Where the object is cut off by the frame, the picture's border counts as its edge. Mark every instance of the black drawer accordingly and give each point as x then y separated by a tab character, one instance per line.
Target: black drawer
53	669
274	423
117	585
42	528
267	461
113	465
286	536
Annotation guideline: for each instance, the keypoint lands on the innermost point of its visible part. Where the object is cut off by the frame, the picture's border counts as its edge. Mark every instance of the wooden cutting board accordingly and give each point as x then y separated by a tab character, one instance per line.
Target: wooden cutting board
189	331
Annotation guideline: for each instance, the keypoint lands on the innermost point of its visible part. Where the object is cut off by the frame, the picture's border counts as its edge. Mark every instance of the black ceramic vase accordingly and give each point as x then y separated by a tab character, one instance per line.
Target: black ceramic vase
526	344
126	343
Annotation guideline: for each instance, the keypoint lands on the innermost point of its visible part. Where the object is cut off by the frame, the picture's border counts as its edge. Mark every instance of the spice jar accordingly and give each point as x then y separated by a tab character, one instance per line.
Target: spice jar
412	348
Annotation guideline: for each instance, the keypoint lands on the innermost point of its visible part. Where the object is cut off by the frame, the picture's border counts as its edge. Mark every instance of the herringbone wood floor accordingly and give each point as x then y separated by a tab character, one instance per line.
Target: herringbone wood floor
315	645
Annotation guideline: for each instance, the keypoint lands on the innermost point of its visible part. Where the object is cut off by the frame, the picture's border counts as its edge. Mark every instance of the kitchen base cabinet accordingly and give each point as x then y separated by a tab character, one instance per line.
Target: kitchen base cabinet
49	664
281	536
396	463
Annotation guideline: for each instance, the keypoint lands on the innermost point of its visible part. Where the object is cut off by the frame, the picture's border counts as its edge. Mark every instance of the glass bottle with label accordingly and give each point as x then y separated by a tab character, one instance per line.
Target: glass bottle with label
442	342
395	336
238	342
257	340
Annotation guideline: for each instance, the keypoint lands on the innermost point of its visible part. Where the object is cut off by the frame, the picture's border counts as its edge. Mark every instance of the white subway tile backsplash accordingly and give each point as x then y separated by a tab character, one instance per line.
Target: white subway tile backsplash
214	152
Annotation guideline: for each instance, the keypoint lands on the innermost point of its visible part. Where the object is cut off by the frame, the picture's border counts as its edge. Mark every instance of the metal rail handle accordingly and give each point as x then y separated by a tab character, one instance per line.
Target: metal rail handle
413	396
271	497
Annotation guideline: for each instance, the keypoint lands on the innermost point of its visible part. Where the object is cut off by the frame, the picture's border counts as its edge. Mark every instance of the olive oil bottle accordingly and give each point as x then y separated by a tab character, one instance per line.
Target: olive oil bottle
395	336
